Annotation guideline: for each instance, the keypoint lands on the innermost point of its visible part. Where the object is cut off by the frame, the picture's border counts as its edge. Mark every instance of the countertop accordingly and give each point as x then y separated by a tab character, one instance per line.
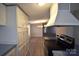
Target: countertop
49	38
5	48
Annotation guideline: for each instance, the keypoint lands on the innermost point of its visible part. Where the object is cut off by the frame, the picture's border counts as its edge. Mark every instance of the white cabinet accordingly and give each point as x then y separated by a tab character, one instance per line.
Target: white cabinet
2	14
22	21
12	52
16	29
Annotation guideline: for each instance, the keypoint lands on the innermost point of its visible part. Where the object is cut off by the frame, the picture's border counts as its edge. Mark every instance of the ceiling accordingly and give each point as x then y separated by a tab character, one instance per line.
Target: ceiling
35	11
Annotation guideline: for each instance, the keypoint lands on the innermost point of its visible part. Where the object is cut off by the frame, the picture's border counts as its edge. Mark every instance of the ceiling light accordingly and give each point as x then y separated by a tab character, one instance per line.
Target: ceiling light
38	21
41	4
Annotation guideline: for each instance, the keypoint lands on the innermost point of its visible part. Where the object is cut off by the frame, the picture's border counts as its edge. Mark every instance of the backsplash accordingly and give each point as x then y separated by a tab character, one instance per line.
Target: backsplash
65	30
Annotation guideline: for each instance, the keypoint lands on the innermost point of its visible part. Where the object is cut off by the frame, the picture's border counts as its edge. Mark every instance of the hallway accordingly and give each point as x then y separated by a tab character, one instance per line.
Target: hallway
36	46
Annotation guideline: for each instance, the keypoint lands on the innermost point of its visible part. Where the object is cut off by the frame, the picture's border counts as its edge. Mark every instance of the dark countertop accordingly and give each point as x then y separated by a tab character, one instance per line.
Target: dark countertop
52	45
5	48
49	38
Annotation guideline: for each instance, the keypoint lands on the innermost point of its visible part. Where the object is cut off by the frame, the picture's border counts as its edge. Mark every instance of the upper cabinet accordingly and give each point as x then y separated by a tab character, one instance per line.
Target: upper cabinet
21	18
2	14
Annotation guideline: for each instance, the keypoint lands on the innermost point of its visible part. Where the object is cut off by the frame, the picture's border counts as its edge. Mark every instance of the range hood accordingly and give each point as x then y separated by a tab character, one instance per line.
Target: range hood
61	16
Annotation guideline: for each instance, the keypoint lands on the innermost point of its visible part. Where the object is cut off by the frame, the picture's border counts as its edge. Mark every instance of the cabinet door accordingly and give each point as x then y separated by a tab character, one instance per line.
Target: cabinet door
12	52
22	50
21	37
2	14
21	18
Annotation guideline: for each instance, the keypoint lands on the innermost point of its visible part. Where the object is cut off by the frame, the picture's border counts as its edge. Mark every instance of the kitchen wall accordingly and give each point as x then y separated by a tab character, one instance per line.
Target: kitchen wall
65	30
63	6
74	6
76	34
36	30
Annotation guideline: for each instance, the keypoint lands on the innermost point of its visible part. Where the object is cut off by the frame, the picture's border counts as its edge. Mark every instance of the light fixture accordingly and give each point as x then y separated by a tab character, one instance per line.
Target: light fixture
41	4
38	21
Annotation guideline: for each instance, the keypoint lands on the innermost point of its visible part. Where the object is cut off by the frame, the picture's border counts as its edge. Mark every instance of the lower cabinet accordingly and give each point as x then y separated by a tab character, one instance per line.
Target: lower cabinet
12	52
22	50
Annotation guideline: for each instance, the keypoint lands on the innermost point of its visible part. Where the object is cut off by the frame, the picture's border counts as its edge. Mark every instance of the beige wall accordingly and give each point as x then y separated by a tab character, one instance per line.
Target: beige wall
36	30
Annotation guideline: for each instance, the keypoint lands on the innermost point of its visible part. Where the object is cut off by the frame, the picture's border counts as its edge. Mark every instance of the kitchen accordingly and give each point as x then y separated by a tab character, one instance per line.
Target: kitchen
21	31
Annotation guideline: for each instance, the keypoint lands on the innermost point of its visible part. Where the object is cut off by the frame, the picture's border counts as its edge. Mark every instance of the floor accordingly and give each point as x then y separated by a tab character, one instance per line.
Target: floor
36	46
